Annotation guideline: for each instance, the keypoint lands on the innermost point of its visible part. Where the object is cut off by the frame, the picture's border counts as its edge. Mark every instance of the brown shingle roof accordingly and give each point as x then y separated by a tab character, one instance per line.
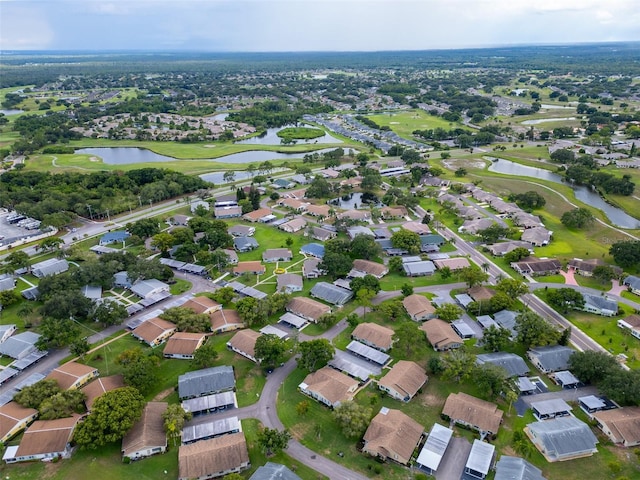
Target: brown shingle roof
253	266
624	423
201	304
319	210
374	334
405	378
12	413
257	214
69	373
439	333
393	432
183	343
473	411
222	318
99	386
633	320
211	456
146	432
372	268
308	308
47	436
245	341
418	305
276	253
152	329
481	293
331	384
456	263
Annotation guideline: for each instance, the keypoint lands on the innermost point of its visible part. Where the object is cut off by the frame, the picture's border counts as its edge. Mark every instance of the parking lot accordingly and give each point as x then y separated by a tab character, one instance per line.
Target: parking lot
11	232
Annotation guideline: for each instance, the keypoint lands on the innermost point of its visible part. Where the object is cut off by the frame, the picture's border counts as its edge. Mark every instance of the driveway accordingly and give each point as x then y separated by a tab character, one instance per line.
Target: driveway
454	460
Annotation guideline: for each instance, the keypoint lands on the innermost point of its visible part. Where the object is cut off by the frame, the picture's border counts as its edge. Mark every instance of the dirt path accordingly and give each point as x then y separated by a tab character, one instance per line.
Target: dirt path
162	395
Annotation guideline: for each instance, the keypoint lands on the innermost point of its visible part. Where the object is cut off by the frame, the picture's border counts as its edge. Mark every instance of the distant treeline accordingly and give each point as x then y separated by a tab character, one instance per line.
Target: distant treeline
276	114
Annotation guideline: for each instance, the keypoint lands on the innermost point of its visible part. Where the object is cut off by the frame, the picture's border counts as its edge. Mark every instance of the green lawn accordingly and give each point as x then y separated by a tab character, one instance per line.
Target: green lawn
180	286
592	283
550	279
394	281
406	122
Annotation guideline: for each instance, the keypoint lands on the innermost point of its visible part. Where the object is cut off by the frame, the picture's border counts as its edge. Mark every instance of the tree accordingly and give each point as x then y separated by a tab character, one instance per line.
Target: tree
352	418
562	155
493	233
368	281
109	313
448	312
17	260
406	240
270	349
534	331
142	372
319	188
472	276
62	405
406	289
604	274
364	297
517	254
626	253
529	200
405	337
143	228
391	310
187	320
365	247
458	365
253	312
622	386
395	264
57	333
315	354
565	299
205	356
496	339
229	176
50	244
336	264
512	288
273	441
591	366
174	417
223	295
112	416
490	379
79	347
577	218
65	304
162	241
33	395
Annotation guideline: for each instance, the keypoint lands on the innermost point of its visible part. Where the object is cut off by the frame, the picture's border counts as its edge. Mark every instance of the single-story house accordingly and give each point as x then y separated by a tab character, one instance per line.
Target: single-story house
7	282
322	234
122	280
516	468
293	226
441	335
313	250
232	256
513	364
213	458
632	324
244	343
633	283
526	220
586	267
147	436
550	358
472	227
113	237
272	255
20	345
621	425
600	305
254	267
100	386
403	381
72	375
200	203
537	236
537	266
225	321
201	305
241	231
419	307
457	263
293	204
53	266
179	220
257	215
283	183
480	459
149	288
273	471
227	212
206	404
367	267
307	308
564	438
245	244
311	268
329	386
502	248
374	335
331	293
392	435
419	269
551	408
434	449
393	212
353	232
358	215
289	282
182	345
13	419
154	331
206	381
321	211
212	428
416	227
479	415
481	293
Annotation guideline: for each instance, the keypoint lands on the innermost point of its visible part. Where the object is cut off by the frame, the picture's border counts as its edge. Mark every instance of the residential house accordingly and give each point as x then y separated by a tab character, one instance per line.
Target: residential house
441	335
13	419
434	448
526	220
147	436
473	412
329	386
311	268
227	212
367	267
472	227
283	183
113	237
313	250
232	256
273	255
537	266
183	345
358	215
586	267
289	283
564	438
403	381
241	231
254	267
121	280
329	173
207	404
551	408
374	335
200	203
481	293
179	220
207	381
149	288
418	307
301	179
331	293
353	232
258	215
537	236
565	379
293	226
244	343
632	324
307	308
99	387
322	234
621	425
213	458
6	331
550	358
72	375
480	459
633	283
44	440
293	321
273	471
7	282
211	428
417	227
511	363
600	305
353	182
154	331
46	268
201	305
20	345
225	321
502	248
392	435
457	263
293	204
516	468
469	213
393	212
245	244
419	269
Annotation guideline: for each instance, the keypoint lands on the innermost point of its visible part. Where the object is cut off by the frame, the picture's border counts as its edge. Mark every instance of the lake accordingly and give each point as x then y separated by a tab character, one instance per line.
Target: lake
131	155
616	216
218	177
11	111
270	137
544	120
353	201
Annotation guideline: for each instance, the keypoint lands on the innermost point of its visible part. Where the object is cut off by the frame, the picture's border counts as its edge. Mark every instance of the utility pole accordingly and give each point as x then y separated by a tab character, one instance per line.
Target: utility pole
90	214
140	200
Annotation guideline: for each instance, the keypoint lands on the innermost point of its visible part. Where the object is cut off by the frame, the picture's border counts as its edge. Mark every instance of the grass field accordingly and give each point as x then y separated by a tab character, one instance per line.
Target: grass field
406	122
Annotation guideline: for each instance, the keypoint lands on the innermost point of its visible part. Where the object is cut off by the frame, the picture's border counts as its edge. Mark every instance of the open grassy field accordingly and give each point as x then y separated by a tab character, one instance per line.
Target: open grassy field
406	122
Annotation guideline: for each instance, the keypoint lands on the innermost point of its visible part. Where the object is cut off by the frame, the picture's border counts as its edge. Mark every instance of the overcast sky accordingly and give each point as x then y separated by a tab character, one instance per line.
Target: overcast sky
302	25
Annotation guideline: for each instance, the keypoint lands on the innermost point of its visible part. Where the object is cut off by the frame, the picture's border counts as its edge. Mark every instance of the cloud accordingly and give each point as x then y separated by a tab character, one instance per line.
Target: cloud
24	28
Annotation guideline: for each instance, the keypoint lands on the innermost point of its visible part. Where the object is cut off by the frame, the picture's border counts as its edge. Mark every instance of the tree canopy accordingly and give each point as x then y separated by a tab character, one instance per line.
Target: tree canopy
315	354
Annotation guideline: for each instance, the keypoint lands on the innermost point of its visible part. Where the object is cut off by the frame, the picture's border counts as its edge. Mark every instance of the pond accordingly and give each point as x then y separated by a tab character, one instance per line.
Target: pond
218	177
356	200
11	111
545	120
131	155
558	107
221	117
616	216
270	137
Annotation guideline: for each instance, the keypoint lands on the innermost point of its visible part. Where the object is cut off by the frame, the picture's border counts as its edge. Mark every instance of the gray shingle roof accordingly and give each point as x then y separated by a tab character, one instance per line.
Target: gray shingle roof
512	363
20	344
516	468
206	381
331	293
564	436
273	471
553	357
